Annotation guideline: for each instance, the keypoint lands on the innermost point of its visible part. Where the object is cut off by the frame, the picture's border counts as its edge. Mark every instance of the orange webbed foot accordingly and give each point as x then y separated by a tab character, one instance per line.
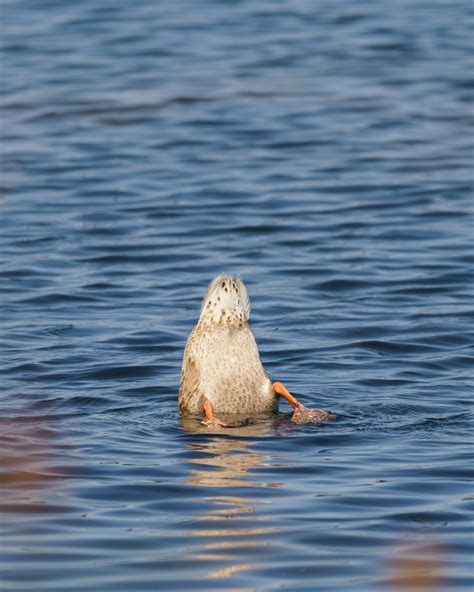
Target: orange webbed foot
210	420
300	413
215	422
304	415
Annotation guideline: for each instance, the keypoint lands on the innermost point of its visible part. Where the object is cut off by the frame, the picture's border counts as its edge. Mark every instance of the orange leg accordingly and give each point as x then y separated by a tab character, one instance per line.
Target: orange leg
208	412
301	413
210	420
280	389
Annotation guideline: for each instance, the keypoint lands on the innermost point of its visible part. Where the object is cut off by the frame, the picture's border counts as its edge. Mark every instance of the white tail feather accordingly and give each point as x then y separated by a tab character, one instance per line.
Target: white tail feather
226	302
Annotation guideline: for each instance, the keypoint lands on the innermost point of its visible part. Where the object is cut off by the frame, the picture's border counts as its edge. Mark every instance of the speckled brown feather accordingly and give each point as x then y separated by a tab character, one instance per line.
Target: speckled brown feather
221	362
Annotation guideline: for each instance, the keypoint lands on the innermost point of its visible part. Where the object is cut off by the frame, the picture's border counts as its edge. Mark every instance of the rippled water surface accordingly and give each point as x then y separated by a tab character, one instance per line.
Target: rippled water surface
322	150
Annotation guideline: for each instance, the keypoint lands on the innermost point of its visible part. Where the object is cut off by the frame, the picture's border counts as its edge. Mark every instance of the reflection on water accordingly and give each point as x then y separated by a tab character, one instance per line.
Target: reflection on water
25	456
225	461
418	567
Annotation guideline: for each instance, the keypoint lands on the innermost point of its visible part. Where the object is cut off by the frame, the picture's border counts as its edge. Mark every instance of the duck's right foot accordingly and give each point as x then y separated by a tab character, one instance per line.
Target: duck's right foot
304	415
301	414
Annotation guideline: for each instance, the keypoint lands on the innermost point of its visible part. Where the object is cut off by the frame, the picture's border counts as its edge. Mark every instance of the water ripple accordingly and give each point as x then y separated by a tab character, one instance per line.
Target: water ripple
327	157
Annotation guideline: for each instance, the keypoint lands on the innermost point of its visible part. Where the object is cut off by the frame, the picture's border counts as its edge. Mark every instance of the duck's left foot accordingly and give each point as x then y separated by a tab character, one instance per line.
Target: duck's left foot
213	422
304	415
210	420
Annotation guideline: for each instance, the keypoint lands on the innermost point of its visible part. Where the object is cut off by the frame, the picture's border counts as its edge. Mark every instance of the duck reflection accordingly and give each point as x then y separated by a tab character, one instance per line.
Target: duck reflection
25	456
232	528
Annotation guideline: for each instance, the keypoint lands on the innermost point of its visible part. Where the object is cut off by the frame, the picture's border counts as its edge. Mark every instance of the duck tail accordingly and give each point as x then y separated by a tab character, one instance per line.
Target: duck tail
226	302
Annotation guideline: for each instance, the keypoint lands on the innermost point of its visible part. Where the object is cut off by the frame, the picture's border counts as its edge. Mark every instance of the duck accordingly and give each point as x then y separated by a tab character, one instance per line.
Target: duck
222	373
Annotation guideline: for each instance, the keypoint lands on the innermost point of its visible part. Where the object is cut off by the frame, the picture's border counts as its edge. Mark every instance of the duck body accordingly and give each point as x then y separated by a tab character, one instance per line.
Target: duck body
221	362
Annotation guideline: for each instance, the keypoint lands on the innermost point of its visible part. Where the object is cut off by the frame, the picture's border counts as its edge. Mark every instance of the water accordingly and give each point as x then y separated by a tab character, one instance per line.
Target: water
326	155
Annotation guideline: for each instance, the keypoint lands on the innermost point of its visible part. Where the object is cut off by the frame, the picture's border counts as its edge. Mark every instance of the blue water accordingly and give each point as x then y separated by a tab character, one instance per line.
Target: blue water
324	151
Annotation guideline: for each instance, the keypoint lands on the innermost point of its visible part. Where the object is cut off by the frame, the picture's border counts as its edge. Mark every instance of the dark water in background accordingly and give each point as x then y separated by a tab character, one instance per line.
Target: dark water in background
323	151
